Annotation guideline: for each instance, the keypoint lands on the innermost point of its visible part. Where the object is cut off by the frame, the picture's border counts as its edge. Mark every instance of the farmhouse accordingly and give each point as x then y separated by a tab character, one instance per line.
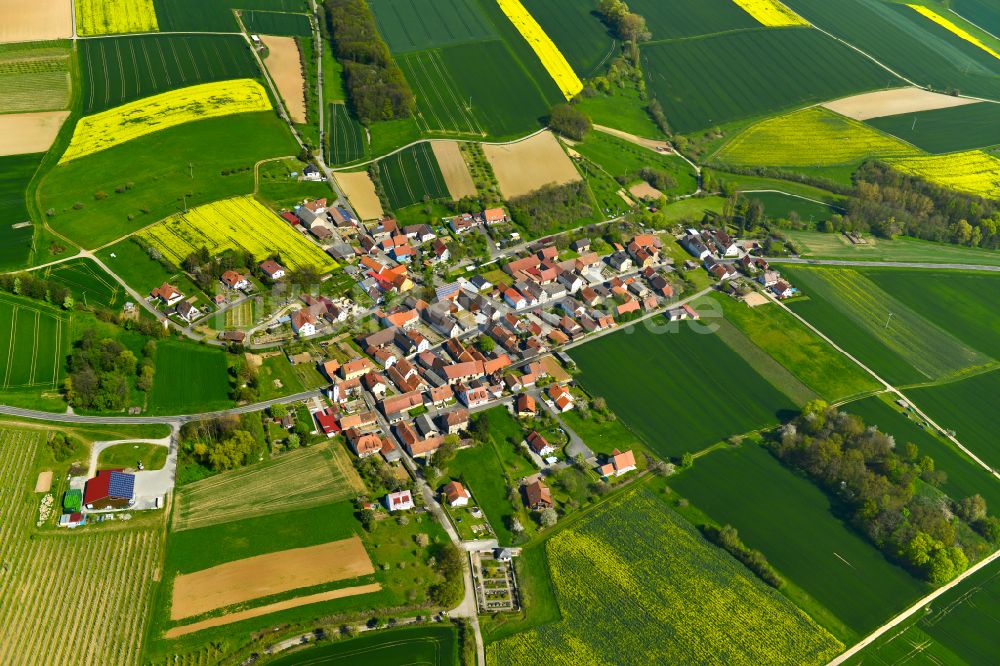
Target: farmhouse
327	421
456	494
234	280
303	322
537	496
272	269
110	489
401	501
166	294
618	463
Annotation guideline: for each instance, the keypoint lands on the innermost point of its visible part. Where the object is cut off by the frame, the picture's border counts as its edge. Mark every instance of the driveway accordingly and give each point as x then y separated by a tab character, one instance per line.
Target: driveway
150	485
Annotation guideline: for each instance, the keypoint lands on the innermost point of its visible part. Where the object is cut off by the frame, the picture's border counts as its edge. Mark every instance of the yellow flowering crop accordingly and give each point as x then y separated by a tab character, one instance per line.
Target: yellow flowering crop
954	29
771	13
240	223
151	114
973	172
114	17
552	58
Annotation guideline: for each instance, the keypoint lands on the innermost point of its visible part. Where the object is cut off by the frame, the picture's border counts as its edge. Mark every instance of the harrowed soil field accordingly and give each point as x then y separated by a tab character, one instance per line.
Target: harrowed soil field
528	165
284	63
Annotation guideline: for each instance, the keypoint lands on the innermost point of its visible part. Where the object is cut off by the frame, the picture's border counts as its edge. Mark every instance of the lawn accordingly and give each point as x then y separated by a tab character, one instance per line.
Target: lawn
428	646
117	70
803	353
347	139
623	109
817	245
965	477
623	159
709	81
411	25
779	205
89	283
410	175
279	189
894	340
277	369
793	523
602	437
196	163
632	567
969	408
946	130
680	390
152	456
189	379
16	172
577	30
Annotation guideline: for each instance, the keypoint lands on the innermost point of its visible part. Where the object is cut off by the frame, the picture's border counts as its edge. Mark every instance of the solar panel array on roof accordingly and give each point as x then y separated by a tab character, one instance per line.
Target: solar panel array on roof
121	485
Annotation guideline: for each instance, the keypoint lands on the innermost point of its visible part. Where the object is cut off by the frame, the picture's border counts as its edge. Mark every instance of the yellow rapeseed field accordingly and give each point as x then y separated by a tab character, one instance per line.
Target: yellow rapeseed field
113	17
240	223
973	172
771	13
151	114
552	58
954	29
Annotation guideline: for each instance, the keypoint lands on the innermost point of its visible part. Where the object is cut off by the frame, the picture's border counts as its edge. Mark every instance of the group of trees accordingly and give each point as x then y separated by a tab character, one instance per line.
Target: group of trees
103	372
728	538
32	286
658	178
861	467
375	84
206	270
220	444
551	208
626	25
569	121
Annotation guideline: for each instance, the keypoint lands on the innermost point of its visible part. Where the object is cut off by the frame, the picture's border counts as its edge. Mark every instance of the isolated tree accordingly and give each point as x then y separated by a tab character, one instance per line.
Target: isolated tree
569	121
549	517
486	344
278	411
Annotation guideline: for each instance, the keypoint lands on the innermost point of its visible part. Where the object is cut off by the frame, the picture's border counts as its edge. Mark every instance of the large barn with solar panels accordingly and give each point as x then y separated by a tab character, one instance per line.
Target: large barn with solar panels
110	489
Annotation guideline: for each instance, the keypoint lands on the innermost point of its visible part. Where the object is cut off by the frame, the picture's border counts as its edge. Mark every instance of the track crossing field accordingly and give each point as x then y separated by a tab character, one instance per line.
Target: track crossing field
347	138
411	174
214	16
33	341
426	646
410	25
90	285
121	69
45	577
442	104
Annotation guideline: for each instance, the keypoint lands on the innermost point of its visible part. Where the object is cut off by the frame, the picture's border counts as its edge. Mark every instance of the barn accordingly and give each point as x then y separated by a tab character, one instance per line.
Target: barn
110	489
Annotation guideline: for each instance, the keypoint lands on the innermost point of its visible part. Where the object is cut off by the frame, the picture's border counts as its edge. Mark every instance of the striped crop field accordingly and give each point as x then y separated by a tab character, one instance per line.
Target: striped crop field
136	119
810	137
946	130
410	175
441	101
347	139
972	172
33	342
121	69
114	17
240	223
88	282
548	53
954	28
34	77
47	577
771	13
411	25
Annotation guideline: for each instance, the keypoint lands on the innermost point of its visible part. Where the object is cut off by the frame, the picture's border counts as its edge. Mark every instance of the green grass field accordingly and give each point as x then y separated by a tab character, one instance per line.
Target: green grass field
983	13
709	81
958	628
213	151
577	31
427	646
34	341
347	139
278	189
793	523
152	456
968	407
623	109
411	25
906	42
117	70
803	353
189	379
34	77
632	568
140	271
16	172
680	391
779	205
670	19
89	283
946	130
883	332
410	175
216	16
264	22
965	476
816	245
623	159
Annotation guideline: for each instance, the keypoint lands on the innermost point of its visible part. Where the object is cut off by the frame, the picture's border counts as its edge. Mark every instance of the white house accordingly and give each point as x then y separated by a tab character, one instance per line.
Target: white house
456	494
303	323
401	501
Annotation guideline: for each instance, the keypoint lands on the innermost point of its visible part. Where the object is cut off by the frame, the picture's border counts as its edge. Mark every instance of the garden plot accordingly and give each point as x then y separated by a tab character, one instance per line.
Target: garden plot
284	62
529	165
893	102
23	133
454	169
35	21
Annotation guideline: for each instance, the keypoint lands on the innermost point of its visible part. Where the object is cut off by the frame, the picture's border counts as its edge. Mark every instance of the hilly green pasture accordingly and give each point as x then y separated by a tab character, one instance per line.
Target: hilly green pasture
894	340
347	140
969	408
578	31
34	76
712	80
428	646
216	151
410	175
411	25
632	567
965	476
89	283
16	172
679	389
276	23
117	70
905	41
793	523
670	19
214	16
189	379
623	159
817	245
946	130
779	205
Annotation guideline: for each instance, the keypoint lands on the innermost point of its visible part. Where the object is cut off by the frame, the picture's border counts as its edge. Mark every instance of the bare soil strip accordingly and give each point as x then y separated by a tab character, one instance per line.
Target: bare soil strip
23	133
44	482
453	168
37	21
285	66
528	165
272	608
264	575
645	191
894	102
652	144
360	190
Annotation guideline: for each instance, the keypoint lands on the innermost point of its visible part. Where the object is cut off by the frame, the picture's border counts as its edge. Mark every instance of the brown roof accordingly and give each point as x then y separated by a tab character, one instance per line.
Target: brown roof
537	442
525	403
538	494
454	491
